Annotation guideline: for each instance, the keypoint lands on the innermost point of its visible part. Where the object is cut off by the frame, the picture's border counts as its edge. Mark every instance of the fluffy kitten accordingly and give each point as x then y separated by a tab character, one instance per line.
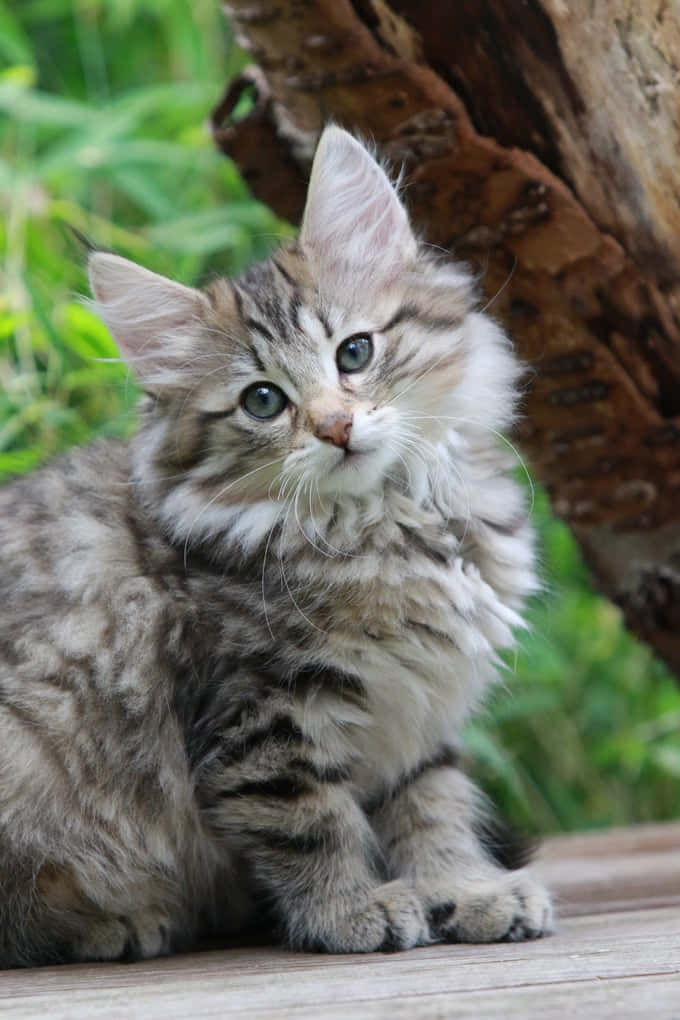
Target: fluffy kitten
236	653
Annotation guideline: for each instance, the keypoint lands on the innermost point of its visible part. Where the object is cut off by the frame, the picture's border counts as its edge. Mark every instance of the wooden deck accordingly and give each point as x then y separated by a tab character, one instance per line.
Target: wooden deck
616	955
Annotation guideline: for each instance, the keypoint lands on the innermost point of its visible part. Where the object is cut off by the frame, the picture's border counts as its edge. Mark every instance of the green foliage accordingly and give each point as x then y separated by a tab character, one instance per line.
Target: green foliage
586	731
102	112
102	106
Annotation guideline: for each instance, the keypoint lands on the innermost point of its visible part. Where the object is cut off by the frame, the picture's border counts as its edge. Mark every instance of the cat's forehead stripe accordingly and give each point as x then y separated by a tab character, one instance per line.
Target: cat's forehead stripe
436	323
294	309
258	327
319	312
262	291
258	359
238	300
267	307
284	273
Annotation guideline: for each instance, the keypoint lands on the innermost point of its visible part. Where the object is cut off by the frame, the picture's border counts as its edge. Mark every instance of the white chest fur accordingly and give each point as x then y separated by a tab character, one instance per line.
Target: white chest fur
425	653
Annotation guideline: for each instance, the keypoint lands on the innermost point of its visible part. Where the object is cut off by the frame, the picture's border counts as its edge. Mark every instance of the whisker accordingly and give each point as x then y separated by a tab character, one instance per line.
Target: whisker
219	495
303	481
495	432
344	553
393	398
502	287
157	478
285	579
332	556
206	375
264	567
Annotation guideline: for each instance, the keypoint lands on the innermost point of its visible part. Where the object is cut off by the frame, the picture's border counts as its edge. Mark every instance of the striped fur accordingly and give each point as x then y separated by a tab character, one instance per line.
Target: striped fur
235	656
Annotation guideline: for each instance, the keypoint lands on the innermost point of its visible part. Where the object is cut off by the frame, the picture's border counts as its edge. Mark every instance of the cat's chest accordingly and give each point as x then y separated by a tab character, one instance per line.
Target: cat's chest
423	608
422	649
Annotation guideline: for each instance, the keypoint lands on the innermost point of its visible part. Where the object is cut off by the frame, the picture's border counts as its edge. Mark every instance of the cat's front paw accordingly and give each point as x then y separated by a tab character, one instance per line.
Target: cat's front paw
390	918
510	908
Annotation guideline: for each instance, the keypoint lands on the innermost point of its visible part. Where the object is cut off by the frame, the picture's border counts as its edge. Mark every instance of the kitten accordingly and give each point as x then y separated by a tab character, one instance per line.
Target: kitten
236	654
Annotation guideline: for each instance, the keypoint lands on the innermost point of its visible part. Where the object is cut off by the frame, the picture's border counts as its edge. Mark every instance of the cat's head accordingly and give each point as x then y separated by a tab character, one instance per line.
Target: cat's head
326	373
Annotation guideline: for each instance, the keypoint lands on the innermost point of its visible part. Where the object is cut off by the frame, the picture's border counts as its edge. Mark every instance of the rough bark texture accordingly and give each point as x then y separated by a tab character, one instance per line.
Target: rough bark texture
540	141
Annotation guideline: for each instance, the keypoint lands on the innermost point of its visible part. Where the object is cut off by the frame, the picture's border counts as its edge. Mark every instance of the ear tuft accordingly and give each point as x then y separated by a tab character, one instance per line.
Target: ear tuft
353	211
152	319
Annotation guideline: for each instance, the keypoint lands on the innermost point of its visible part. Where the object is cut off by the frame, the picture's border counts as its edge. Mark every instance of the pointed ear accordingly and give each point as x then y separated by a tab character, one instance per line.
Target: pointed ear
153	320
353	211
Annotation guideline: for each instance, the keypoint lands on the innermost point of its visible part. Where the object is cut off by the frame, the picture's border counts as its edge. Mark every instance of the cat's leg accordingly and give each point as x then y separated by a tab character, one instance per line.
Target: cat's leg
290	809
432	830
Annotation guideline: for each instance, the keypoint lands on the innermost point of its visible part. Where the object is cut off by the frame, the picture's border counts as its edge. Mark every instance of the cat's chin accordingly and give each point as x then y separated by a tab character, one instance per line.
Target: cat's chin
356	473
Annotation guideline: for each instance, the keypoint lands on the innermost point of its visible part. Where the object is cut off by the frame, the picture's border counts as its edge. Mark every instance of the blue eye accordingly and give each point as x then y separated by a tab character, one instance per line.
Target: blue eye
263	400
354	353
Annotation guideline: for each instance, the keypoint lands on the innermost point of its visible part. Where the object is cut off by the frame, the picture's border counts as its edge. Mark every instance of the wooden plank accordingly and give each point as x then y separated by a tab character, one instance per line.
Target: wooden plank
624	999
613	870
605	960
268	982
654	837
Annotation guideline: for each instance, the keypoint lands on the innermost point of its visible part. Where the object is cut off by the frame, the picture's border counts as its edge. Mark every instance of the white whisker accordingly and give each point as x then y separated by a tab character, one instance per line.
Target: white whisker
303	481
264	567
495	432
502	287
394	397
219	495
333	555
285	578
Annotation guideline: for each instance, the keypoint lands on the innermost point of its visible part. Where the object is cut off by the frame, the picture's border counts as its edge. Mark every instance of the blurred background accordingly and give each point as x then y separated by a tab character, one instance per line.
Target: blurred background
103	105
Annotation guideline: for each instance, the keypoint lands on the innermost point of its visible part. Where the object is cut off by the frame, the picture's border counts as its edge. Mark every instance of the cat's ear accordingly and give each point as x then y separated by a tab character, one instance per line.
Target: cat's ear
153	319
353	212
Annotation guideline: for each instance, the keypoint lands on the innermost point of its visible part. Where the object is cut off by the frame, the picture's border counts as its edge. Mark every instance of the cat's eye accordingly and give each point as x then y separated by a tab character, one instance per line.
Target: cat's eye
263	400
354	353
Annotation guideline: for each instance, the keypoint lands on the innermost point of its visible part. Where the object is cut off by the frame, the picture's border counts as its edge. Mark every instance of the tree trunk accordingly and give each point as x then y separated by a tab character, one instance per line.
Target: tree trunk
540	141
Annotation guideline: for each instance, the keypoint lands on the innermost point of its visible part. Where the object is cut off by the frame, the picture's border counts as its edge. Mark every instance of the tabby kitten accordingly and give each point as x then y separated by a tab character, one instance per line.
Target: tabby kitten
236	653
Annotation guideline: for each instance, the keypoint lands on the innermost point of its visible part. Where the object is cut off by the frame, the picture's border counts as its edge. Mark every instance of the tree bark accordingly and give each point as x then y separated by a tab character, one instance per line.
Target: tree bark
540	141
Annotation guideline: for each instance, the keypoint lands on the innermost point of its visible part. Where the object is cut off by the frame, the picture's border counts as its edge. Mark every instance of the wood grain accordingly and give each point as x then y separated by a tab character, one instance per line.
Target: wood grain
604	963
617	870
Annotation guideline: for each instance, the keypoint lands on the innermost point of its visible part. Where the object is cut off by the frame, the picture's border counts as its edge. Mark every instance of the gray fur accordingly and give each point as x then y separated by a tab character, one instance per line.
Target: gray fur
233	664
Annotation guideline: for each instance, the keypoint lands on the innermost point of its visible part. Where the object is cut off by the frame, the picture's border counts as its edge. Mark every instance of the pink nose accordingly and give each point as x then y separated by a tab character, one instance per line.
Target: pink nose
334	428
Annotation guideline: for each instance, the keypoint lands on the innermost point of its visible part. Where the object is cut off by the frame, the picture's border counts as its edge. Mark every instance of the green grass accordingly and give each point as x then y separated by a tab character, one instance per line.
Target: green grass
102	112
103	106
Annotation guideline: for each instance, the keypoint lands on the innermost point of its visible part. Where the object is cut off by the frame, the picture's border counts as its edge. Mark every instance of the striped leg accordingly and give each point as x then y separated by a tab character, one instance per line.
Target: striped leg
432	827
290	809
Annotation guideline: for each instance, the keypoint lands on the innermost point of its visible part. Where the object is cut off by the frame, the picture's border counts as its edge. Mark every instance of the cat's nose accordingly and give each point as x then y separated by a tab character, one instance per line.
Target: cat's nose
334	428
